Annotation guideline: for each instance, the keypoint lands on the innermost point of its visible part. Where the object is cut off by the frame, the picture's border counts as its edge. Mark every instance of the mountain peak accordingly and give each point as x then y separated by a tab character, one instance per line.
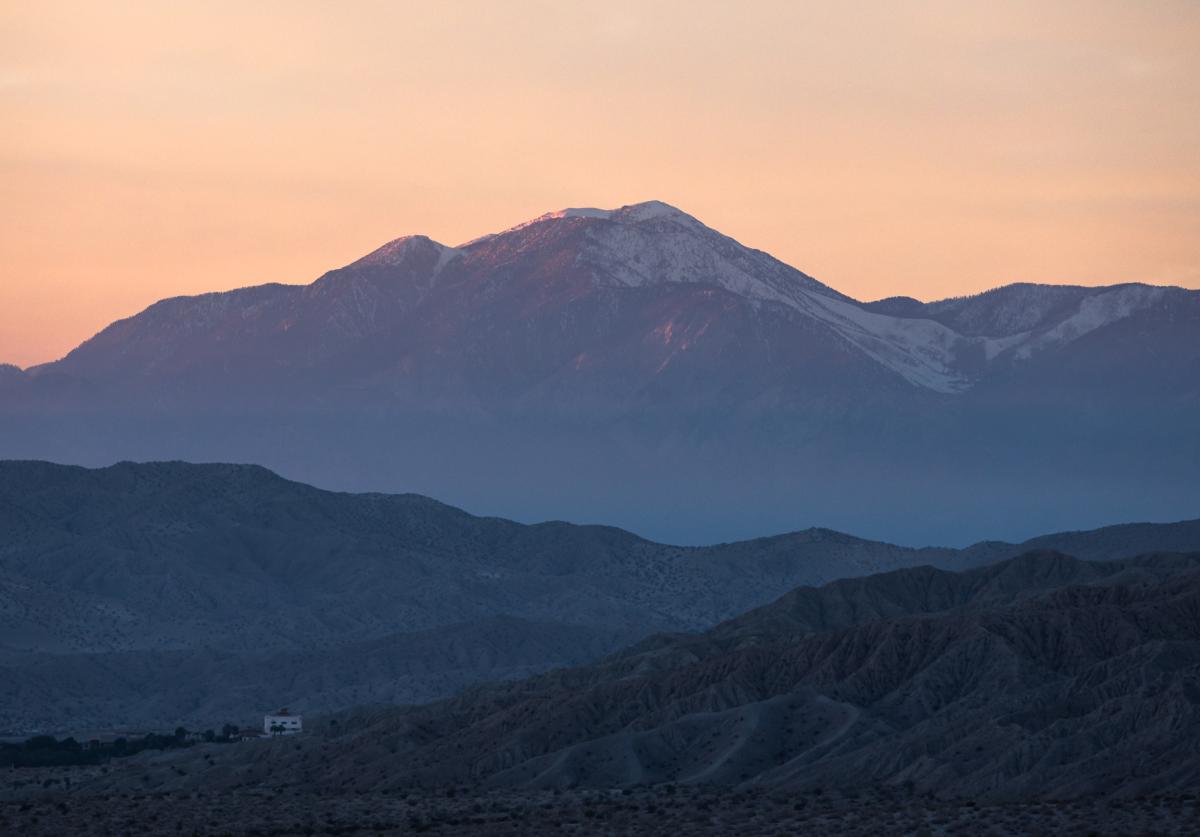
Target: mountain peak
399	249
630	214
633	213
650	211
654	243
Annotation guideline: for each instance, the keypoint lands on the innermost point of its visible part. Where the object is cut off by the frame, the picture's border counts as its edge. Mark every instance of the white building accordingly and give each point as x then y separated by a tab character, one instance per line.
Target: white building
282	723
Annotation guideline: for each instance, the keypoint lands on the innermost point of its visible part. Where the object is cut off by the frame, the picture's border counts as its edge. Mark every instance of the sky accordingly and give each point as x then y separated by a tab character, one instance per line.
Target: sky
923	148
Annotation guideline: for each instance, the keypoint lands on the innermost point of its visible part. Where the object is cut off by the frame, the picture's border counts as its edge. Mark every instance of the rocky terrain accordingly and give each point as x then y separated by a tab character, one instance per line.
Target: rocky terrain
666	810
1041	695
151	595
637	367
1043	677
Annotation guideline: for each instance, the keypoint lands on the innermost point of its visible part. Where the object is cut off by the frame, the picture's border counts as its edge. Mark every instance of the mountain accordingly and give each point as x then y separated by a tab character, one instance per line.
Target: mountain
206	687
636	366
420	305
159	593
224	588
1040	677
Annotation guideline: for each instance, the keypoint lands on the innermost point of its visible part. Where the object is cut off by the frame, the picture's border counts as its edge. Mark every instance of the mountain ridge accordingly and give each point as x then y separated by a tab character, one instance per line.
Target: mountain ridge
201	575
661	215
1042	677
699	389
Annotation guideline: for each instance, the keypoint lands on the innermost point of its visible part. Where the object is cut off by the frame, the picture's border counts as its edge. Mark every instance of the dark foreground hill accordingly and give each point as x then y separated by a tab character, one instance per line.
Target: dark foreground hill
663	811
164	593
1040	677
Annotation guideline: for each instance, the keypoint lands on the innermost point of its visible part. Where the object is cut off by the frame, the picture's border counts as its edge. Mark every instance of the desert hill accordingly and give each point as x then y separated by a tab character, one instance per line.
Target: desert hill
154	594
1042	677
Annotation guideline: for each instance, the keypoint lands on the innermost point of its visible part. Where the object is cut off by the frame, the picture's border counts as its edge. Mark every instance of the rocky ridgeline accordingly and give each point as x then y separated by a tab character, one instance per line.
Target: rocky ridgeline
154	595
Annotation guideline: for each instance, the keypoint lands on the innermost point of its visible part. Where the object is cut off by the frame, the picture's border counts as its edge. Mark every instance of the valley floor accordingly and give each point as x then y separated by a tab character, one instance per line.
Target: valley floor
661	810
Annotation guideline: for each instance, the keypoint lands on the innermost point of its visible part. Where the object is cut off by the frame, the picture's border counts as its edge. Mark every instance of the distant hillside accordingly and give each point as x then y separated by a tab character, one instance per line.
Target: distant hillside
1041	677
161	593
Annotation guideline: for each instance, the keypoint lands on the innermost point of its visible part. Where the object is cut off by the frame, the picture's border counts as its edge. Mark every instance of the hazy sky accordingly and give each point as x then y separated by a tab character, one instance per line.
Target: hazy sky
924	148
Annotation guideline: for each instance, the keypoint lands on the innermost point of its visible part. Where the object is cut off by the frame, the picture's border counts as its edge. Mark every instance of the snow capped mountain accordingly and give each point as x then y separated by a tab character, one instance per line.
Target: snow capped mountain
616	362
562	265
654	243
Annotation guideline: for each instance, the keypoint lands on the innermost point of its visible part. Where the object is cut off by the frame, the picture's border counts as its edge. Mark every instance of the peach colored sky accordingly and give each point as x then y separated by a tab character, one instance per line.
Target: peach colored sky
926	148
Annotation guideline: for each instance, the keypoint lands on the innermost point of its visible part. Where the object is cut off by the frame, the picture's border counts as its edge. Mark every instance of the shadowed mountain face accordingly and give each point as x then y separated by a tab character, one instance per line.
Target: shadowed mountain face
160	593
1043	676
636	366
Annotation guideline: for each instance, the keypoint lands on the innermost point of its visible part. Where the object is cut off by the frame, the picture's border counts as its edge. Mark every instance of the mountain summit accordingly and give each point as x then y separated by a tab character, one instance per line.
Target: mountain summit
657	357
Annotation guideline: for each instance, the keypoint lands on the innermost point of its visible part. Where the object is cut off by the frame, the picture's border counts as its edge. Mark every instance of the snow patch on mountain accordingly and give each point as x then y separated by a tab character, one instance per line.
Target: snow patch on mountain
447	255
638	213
993	347
925	351
1096	311
654	243
1009	310
634	213
922	351
398	250
579	212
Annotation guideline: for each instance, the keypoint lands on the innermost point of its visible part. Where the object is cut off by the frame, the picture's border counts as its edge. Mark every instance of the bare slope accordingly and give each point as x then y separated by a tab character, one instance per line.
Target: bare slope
154	594
1043	676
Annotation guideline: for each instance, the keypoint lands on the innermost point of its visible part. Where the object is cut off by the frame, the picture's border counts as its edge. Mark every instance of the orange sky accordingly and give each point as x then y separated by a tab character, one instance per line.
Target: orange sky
929	148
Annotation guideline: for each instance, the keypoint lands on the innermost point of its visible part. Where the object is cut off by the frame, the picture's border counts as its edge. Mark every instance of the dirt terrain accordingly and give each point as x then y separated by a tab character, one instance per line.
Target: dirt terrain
665	810
151	595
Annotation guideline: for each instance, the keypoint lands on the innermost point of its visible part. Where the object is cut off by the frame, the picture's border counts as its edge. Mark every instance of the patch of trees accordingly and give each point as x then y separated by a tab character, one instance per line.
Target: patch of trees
48	751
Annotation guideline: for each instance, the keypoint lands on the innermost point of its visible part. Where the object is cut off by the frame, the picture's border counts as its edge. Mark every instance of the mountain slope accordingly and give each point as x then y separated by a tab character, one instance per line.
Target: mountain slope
176	556
220	585
561	264
1043	677
636	366
210	686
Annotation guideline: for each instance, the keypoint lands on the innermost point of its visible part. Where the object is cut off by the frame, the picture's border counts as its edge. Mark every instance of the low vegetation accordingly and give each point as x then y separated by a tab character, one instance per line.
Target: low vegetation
660	810
48	751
